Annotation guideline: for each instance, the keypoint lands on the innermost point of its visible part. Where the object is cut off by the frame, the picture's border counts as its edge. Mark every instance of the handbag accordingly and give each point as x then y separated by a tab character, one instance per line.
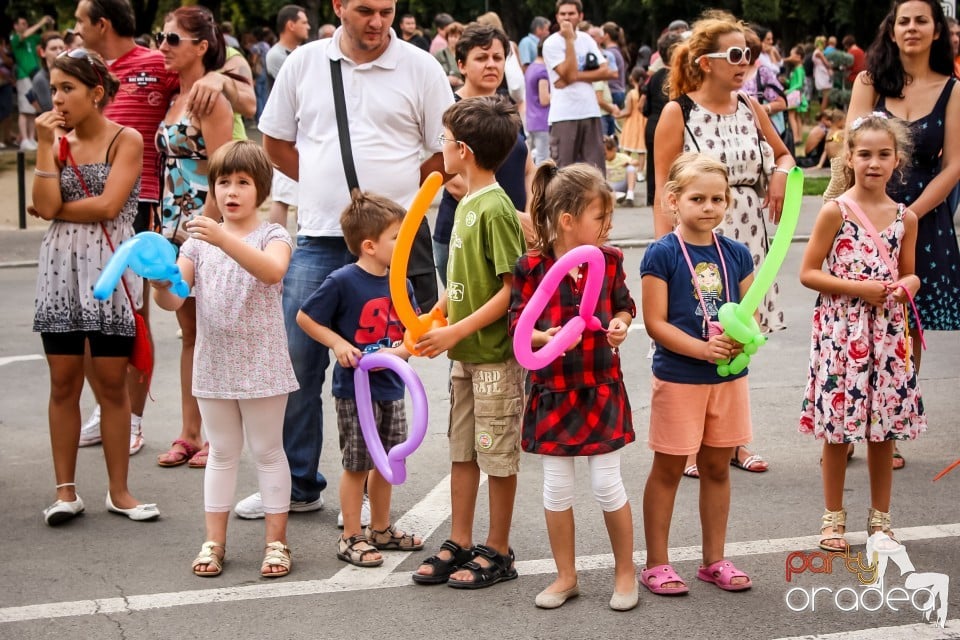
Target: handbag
141	357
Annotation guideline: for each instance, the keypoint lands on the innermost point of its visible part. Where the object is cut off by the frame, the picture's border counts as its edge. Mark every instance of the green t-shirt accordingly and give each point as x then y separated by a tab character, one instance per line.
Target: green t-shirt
25	54
239	130
485	244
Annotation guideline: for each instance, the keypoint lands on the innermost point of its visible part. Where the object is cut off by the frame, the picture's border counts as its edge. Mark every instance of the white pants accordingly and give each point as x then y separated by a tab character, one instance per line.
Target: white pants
559	476
225	422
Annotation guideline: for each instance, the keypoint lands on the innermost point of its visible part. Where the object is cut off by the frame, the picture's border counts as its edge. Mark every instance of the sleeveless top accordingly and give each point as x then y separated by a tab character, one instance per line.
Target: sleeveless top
184	154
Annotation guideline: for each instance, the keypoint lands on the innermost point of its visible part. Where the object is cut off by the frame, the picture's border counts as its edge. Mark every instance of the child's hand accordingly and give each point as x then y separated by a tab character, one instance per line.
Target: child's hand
436	341
400	351
206	229
873	292
347	354
616	332
912	284
541	338
721	347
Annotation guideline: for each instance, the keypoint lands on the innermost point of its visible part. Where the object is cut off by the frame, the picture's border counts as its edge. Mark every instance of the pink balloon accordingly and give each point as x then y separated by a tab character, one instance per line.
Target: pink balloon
574	327
392	464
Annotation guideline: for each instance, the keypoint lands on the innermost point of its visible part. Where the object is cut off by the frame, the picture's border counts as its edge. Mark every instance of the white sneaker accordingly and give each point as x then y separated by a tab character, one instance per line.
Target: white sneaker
136	435
251	507
28	145
364	513
90	431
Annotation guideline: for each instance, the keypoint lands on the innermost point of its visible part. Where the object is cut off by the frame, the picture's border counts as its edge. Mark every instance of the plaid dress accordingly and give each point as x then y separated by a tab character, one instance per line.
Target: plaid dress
578	405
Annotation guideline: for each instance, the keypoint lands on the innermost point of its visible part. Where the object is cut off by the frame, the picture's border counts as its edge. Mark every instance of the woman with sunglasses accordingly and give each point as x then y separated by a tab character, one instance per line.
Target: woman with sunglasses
481	55
908	77
708	113
87	183
192	45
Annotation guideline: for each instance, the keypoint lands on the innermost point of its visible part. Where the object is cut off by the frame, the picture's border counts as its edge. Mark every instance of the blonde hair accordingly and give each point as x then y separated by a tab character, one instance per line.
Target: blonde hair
877	121
690	166
685	73
558	191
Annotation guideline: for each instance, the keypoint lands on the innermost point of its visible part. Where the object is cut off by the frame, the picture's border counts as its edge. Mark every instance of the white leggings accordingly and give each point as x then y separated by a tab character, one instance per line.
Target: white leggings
559	476
225	422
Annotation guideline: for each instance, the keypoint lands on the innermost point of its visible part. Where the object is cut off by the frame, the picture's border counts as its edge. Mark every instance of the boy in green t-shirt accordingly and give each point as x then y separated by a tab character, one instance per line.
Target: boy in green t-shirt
486	390
23	44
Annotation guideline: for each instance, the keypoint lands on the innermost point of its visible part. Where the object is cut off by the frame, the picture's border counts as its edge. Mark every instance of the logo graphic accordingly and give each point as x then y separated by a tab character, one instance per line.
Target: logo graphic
925	592
484	440
455	291
471	218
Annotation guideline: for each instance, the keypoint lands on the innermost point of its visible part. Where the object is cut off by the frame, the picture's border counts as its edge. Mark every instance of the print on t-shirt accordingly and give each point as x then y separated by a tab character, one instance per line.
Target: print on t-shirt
709	288
378	324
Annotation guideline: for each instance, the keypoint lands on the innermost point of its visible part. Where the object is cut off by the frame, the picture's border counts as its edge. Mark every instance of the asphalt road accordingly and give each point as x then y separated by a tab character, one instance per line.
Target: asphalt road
106	577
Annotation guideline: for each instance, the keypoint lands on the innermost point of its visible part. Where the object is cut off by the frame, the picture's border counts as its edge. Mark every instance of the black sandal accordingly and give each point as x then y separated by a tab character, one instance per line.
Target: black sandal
500	569
442	569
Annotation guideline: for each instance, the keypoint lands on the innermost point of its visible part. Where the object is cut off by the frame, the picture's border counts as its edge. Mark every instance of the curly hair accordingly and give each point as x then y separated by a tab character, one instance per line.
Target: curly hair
685	73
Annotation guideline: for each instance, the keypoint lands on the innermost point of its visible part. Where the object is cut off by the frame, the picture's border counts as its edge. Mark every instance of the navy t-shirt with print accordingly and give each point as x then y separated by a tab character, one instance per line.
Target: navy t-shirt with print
664	260
356	305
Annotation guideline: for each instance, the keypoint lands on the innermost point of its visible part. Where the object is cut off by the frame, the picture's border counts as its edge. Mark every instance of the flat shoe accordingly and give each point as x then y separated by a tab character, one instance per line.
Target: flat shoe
626	601
654	577
277	555
547	600
199	459
692	472
140	513
61	511
175	457
722	573
208	557
754	463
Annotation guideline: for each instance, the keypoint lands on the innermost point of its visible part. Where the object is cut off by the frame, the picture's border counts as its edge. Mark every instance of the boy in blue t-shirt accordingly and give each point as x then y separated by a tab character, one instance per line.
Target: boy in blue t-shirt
352	314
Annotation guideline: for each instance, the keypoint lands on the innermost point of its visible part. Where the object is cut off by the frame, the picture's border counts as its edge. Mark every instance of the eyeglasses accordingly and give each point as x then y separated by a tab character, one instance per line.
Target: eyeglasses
442	139
173	39
82	54
733	55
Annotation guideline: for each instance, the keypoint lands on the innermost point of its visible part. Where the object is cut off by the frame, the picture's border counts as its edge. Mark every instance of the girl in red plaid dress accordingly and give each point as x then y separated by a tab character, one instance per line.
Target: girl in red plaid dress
578	405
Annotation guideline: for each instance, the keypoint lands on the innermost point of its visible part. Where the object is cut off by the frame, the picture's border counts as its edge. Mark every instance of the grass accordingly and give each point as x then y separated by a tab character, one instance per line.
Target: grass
815	186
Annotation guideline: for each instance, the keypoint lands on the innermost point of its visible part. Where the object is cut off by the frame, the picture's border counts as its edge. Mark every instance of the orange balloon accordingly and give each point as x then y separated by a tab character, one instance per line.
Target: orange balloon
428	321
416	325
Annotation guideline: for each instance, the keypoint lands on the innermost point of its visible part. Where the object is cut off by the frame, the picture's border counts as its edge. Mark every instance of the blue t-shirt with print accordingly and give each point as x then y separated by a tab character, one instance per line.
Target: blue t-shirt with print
356	305
664	259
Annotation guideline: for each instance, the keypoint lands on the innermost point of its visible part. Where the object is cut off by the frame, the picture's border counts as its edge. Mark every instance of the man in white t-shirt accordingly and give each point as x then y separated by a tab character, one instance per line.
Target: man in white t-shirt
395	96
574	62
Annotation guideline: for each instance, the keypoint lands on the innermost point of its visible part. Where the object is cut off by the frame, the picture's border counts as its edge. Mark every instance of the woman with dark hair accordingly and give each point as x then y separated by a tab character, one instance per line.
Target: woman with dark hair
909	77
192	45
481	55
87	182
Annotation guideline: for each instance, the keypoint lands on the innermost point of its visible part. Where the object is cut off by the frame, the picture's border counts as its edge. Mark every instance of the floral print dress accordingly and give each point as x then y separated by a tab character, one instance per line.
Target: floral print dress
861	385
184	153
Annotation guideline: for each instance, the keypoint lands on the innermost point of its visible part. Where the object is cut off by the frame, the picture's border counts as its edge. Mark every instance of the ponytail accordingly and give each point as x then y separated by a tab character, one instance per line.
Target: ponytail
543	227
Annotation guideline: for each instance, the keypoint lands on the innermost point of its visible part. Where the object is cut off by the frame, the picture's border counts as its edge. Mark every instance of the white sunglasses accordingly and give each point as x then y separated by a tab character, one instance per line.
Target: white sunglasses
733	55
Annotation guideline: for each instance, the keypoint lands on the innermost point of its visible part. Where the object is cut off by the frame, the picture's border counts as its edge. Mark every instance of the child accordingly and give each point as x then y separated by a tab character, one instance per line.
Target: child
351	314
796	86
621	171
634	122
91	199
241	371
861	386
693	409
578	405
486	382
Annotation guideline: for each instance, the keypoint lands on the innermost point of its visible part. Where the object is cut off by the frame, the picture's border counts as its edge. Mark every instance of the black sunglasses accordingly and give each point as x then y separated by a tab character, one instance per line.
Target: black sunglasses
82	54
173	39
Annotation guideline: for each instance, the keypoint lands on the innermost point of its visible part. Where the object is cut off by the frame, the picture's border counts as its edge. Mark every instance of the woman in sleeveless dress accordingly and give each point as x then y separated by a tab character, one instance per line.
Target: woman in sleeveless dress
908	76
192	45
86	183
709	114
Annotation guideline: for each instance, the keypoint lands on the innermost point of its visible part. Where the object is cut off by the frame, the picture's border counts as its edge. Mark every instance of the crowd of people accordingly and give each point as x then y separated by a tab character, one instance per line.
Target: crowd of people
536	142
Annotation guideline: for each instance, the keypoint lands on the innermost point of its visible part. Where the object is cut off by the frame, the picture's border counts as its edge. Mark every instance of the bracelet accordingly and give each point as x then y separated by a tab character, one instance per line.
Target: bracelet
45	174
783	171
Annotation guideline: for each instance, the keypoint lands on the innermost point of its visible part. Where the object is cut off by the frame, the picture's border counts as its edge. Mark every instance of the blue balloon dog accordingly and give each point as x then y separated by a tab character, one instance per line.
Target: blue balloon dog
151	256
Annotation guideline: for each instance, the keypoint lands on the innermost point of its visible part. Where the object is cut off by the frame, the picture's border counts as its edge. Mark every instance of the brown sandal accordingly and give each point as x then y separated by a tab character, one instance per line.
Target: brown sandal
392	540
355	548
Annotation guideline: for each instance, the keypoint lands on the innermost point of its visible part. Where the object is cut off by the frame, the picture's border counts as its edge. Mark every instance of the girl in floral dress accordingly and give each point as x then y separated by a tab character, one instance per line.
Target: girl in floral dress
862	385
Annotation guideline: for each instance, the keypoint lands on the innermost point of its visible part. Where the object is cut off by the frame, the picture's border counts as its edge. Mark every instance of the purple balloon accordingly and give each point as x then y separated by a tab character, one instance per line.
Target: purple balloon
391	464
571	331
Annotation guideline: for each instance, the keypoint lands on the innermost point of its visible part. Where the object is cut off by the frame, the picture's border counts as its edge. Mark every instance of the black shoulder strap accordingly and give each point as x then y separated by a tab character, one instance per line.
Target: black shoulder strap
343	128
686	106
106	157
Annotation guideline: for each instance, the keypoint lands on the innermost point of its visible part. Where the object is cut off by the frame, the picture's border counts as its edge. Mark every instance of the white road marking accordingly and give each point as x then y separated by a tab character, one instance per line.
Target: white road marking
906	632
428	514
12	359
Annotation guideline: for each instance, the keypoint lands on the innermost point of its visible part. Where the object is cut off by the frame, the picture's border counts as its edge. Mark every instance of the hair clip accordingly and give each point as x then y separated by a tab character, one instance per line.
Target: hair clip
859	122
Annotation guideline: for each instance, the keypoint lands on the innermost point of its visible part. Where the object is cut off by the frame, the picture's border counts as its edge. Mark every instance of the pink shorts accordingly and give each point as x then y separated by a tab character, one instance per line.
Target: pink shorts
685	416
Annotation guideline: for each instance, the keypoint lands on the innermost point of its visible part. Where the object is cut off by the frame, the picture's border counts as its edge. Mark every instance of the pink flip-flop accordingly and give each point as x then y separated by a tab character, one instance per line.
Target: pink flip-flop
654	577
722	574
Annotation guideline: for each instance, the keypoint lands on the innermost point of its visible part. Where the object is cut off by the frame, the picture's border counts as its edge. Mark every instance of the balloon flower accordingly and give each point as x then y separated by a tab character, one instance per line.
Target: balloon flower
737	318
574	328
415	325
151	256
391	464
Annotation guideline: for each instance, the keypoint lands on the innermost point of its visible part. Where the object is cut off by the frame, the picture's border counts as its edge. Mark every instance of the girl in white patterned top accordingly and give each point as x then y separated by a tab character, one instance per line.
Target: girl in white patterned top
241	370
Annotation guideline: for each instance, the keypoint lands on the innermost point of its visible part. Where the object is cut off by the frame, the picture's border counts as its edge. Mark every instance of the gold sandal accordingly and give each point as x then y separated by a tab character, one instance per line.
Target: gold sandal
278	555
879	522
208	557
835	520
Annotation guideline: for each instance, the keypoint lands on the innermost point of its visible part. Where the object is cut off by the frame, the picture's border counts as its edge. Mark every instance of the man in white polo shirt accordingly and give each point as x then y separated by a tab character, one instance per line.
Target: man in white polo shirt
574	62
395	97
